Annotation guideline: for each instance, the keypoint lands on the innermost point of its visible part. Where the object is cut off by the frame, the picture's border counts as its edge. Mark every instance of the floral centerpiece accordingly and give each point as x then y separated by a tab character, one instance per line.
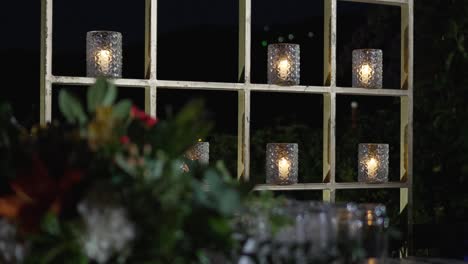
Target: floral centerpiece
107	186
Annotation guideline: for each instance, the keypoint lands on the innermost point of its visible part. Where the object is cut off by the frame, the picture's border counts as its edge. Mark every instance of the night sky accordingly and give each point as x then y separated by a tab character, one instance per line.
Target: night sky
197	41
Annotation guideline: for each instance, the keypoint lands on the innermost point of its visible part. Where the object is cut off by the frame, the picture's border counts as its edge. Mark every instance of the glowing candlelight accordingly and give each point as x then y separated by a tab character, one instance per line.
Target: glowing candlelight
368	68
373	162
372	166
282	163
284	64
104	54
104	59
365	73
284	68
370	217
283	168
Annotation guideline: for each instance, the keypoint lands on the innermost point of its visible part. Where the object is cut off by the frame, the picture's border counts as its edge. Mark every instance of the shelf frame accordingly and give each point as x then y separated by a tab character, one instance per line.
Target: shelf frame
151	84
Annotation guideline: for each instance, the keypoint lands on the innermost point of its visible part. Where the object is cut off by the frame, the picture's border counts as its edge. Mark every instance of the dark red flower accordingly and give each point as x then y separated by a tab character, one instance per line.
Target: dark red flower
36	193
124	140
148	120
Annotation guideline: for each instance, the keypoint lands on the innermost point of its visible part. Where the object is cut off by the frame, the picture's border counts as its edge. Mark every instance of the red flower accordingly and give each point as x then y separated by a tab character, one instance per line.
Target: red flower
36	193
124	140
148	120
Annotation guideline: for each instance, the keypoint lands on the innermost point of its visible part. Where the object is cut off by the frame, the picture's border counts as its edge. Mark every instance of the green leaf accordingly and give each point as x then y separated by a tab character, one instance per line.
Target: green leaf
51	225
122	109
71	108
102	93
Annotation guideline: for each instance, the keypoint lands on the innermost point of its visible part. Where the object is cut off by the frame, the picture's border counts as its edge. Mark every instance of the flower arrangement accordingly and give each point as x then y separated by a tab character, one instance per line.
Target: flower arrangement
106	186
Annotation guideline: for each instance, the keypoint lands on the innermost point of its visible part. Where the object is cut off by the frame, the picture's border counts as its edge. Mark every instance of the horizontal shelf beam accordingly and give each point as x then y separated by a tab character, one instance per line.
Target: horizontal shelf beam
357	185
142	83
371	92
330	186
289	89
200	85
381	2
66	80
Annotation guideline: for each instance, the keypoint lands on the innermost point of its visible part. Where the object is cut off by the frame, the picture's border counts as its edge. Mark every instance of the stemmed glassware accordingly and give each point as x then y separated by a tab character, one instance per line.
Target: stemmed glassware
312	232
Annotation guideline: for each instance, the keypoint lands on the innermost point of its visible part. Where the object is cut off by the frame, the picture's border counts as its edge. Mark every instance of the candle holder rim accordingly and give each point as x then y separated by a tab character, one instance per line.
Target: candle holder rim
374	144
104	31
368	50
284	44
276	143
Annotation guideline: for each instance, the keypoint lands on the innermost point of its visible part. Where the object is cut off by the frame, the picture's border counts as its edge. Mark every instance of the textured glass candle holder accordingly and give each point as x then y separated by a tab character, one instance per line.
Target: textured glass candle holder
284	64
375	225
199	152
104	54
373	163
282	163
367	68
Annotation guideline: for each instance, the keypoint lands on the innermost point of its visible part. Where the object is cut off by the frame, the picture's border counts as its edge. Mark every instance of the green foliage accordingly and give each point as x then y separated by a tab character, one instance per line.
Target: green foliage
121	110
58	243
441	144
103	93
180	216
71	109
174	138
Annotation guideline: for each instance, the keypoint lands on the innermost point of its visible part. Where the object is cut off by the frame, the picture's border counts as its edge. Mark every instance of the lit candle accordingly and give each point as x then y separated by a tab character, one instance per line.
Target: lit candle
373	163
284	64
199	152
282	163
372	166
104	54
365	73
103	59
370	217
284	68
283	168
367	68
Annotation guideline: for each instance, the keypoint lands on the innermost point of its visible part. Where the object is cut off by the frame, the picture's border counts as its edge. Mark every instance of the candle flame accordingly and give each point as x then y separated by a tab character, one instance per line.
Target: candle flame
372	166
370	217
283	68
103	59
365	73
283	168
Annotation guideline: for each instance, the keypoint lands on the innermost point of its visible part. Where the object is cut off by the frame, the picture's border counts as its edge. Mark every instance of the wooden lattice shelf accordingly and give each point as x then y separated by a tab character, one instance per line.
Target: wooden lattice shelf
329	91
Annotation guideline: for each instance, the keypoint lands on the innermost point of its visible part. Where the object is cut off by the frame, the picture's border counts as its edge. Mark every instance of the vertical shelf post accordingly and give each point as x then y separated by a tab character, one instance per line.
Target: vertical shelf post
150	55
46	62
406	127
243	135
329	99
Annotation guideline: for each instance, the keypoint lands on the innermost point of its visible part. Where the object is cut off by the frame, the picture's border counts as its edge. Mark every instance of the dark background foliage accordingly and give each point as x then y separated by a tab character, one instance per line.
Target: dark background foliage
198	41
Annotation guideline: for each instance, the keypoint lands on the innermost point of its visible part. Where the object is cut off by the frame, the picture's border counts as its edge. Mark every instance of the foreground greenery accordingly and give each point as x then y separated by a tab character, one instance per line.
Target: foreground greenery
108	186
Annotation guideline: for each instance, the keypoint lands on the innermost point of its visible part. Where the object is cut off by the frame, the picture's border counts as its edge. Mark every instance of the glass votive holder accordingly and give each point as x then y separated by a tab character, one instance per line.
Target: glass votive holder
284	64
374	231
367	68
348	224
199	152
104	54
282	163
373	163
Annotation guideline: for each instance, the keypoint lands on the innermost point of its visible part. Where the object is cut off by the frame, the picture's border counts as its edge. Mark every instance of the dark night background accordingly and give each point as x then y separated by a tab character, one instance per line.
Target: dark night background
198	41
